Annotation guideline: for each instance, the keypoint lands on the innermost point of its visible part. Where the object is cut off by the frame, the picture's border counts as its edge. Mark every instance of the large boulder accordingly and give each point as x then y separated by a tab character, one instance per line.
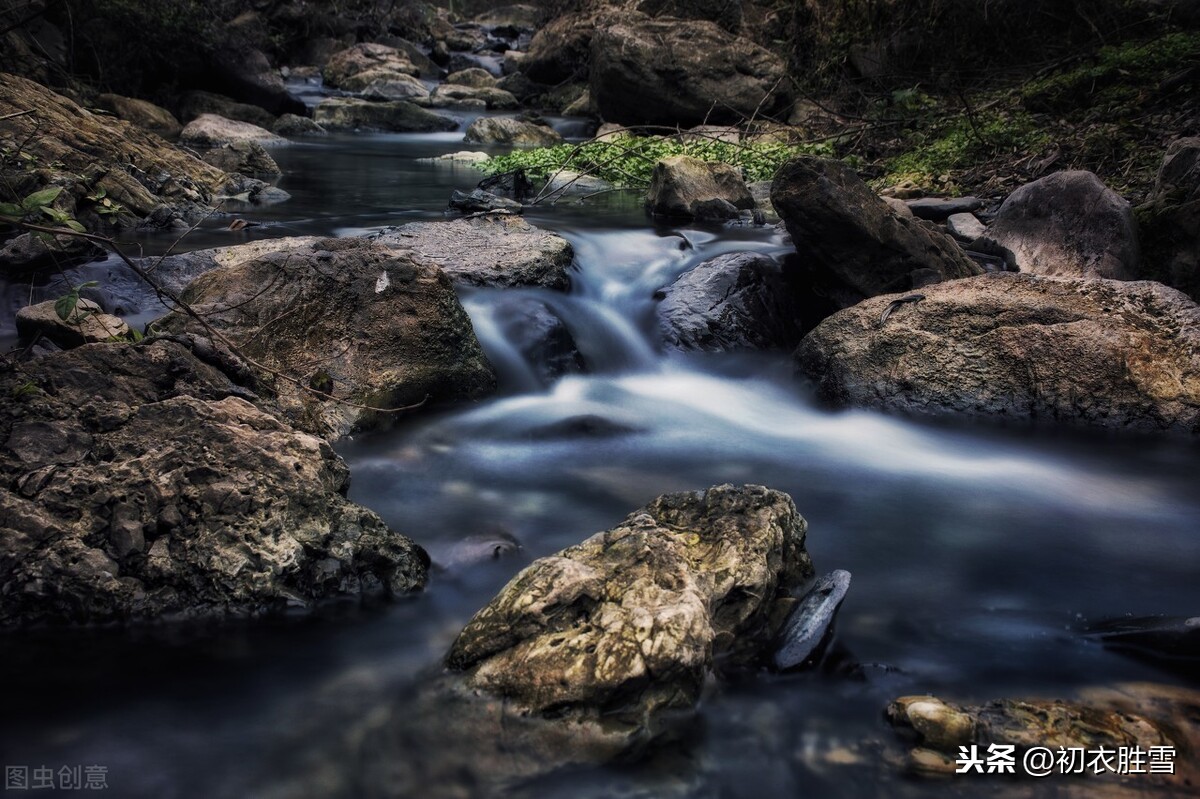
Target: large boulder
503	130
731	302
144	114
175	272
198	103
210	130
850	234
614	635
674	72
1098	353
136	483
1068	224
376	58
364	328
474	77
377	84
87	154
493	250
1170	220
560	50
347	113
449	94
685	187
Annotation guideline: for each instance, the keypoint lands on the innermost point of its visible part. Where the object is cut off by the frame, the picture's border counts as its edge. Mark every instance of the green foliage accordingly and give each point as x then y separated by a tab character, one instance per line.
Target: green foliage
104	204
26	389
66	306
628	161
941	150
39	203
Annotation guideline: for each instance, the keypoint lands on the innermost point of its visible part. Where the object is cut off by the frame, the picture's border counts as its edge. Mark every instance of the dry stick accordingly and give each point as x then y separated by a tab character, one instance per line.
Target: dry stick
164	293
16	114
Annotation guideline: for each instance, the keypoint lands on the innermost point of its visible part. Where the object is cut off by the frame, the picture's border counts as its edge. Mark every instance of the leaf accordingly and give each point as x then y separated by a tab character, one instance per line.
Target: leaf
65	305
86	285
11	210
42	198
75	225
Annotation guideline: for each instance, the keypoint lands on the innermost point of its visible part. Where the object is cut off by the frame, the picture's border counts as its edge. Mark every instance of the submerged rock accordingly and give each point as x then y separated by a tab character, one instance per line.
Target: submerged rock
613	634
850	234
731	302
495	250
539	336
1068	224
362	325
685	187
1097	353
138	484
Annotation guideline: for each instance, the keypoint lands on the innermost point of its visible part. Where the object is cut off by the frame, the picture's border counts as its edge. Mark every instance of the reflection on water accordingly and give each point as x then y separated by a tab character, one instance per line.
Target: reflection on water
974	554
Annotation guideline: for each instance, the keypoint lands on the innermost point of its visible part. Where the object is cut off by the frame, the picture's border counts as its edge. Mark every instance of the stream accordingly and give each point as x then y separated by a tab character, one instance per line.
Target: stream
977	555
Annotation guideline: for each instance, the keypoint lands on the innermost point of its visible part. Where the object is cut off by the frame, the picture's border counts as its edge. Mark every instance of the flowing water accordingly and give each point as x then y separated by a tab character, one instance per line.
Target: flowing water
977	555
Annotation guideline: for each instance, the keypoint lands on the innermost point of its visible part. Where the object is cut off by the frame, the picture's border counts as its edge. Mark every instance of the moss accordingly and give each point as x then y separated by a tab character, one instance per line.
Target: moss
630	160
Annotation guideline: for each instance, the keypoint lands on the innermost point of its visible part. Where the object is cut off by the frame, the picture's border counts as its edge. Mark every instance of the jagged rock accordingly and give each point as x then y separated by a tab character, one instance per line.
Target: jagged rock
680	72
137	484
1068	224
292	125
361	324
680	184
142	113
1169	220
853	236
474	77
86	323
481	201
731	302
86	153
377	58
498	250
345	113
196	104
811	620
1098	353
210	130
244	157
502	130
612	635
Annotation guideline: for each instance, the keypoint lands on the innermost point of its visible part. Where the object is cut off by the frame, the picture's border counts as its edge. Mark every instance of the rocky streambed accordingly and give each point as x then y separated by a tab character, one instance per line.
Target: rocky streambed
382	400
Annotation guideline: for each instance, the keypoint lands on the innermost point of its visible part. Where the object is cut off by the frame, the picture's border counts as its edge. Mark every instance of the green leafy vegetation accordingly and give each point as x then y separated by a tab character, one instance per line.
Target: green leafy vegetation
66	306
37	205
628	161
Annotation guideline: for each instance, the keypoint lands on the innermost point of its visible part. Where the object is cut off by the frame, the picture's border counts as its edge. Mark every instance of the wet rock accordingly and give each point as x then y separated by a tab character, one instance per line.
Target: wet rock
362	325
244	157
502	130
519	86
1068	224
291	125
175	272
612	635
471	157
1169	220
197	104
731	302
346	113
540	337
87	153
965	227
581	426
1172	643
676	72
376	58
449	94
86	323
811	620
848	233
27	252
136	484
681	184
497	250
474	77
1132	715
384	85
938	209
210	130
1097	353
143	114
475	550
480	201
565	183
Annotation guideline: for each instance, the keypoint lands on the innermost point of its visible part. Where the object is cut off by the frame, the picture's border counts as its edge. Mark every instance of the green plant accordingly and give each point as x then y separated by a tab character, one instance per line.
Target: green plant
104	204
26	389
39	202
66	306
